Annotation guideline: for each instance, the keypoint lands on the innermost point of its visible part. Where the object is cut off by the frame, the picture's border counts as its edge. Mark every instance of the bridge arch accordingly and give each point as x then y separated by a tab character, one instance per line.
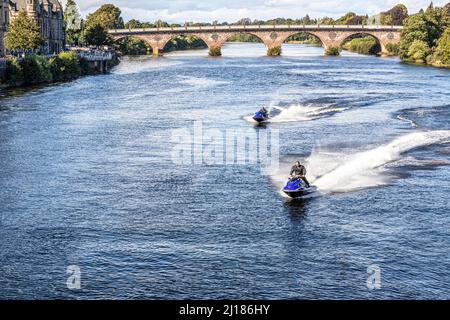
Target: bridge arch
359	35
136	37
243	33
304	36
245	36
188	37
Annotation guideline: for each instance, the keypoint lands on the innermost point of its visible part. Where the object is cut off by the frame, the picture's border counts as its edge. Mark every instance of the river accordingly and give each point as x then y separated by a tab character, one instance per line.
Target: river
88	181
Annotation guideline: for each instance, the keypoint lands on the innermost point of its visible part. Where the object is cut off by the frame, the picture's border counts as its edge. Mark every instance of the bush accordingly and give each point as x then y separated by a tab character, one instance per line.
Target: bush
13	74
185	42
132	46
332	51
443	49
65	66
393	49
35	70
215	51
418	51
366	45
275	51
84	66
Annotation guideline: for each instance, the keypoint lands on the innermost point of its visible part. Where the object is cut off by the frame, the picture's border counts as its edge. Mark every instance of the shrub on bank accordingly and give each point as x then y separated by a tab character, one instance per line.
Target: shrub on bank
393	49
65	66
84	66
418	52
215	51
13	74
332	51
441	55
275	51
366	45
35	70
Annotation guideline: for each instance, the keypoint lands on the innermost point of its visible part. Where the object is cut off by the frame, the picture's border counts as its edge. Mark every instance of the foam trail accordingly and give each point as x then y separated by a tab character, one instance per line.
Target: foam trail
300	112
200	82
343	172
363	170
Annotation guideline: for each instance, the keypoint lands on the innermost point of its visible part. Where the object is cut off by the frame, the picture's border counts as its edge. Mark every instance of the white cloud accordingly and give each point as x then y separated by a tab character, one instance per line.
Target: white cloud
232	10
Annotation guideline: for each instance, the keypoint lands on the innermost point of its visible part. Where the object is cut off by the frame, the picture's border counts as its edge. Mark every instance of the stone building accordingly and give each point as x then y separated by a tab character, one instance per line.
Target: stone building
4	20
47	13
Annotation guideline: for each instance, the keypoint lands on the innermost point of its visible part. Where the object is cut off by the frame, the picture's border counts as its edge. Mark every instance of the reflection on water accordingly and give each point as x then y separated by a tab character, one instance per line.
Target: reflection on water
297	209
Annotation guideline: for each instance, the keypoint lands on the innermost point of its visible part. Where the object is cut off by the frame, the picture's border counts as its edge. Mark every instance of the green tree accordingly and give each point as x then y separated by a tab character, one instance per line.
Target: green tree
275	51
36	70
395	16
65	66
96	35
13	74
421	34
443	49
132	46
438	20
72	22
419	51
415	28
23	34
108	16
326	21
133	24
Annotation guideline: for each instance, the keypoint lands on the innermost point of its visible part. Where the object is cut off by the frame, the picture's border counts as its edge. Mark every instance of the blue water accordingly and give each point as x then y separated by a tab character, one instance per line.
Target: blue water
87	179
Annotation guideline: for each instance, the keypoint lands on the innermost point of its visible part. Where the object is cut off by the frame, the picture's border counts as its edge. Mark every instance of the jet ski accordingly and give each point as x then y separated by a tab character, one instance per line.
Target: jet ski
296	188
261	117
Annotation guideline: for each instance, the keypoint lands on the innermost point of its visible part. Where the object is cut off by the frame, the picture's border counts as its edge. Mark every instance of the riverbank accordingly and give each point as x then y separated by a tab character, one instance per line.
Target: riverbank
35	70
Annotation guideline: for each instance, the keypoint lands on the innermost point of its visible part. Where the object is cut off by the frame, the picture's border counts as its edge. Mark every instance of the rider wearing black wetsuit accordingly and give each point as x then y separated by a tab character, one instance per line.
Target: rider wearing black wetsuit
264	112
299	171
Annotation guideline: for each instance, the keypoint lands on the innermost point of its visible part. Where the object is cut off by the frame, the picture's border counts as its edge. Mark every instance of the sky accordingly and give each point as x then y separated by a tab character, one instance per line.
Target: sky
180	11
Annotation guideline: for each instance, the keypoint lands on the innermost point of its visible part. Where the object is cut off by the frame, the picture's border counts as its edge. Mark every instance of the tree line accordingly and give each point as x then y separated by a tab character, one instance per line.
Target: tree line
424	39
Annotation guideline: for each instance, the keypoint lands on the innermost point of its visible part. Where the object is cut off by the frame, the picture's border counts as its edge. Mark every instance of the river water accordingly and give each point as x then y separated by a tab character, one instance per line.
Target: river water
88	180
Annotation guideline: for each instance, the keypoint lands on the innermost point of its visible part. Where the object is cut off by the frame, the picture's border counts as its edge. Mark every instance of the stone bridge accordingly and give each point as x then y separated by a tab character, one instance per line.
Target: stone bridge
271	36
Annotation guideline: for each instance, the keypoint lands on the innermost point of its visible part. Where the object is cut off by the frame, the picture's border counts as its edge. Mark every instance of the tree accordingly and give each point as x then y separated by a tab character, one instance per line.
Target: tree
65	66
107	16
443	49
447	7
307	20
72	22
422	34
326	21
419	51
133	24
415	28
97	35
395	16
23	34
244	21
438	20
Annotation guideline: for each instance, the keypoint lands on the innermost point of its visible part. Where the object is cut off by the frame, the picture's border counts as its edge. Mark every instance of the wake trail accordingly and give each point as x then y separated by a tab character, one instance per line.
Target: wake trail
343	172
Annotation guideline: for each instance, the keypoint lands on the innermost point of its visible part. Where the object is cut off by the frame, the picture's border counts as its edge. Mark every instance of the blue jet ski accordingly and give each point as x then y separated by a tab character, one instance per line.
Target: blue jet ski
261	117
296	188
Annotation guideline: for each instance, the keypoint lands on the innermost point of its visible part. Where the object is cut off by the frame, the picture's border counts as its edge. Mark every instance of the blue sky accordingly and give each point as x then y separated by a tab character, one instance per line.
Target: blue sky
232	10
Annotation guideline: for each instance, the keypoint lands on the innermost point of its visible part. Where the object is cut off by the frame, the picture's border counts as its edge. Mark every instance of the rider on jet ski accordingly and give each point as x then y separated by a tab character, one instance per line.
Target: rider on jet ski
298	171
264	112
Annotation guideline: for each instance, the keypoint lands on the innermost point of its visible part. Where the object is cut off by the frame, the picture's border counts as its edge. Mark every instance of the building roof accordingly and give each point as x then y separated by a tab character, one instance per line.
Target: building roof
22	4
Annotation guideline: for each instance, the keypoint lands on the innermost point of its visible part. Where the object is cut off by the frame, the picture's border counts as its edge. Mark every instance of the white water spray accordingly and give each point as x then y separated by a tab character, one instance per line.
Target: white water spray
298	112
342	172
